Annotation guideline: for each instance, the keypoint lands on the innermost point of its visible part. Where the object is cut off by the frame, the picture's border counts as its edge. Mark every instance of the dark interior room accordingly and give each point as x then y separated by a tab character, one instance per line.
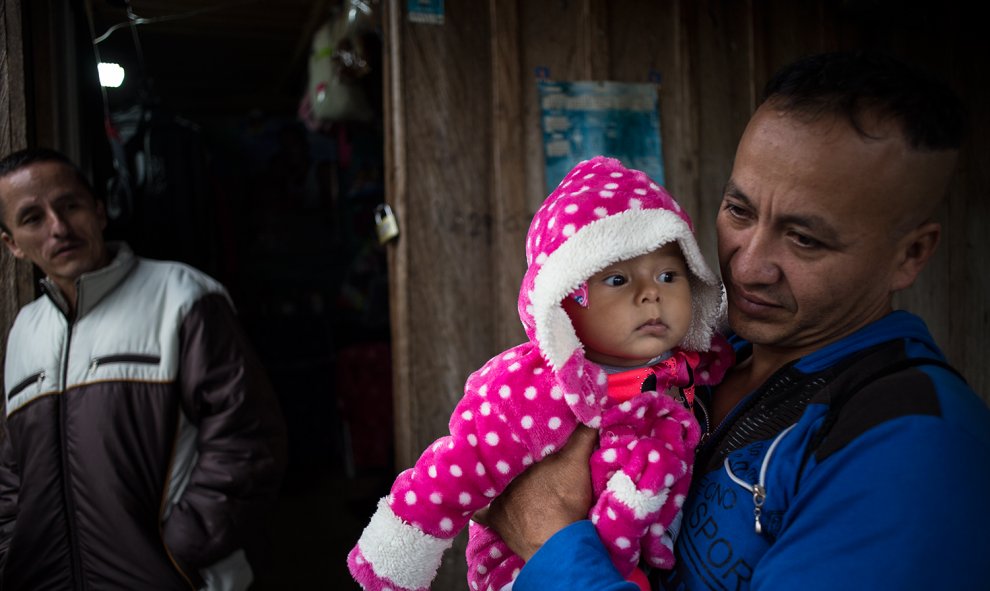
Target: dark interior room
246	140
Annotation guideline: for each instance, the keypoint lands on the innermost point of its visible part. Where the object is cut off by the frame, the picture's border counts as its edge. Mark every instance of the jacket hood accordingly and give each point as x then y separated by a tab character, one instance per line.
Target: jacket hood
600	213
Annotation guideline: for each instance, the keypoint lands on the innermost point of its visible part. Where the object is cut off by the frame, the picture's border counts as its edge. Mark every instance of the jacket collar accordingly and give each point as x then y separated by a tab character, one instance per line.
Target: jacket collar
93	286
898	324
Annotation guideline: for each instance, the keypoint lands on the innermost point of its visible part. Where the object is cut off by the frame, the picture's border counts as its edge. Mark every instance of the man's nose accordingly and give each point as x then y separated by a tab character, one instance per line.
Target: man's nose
57	224
755	261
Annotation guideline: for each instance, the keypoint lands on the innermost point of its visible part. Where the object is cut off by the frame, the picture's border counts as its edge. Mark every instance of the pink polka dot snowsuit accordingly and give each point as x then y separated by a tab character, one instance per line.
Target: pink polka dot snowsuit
523	404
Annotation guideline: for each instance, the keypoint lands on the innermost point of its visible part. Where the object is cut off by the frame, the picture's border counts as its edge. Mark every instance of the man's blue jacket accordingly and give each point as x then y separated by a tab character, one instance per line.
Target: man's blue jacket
873	464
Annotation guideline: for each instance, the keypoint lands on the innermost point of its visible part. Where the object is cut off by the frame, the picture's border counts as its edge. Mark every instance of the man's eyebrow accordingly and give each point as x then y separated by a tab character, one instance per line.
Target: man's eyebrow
67	196
20	212
817	225
733	190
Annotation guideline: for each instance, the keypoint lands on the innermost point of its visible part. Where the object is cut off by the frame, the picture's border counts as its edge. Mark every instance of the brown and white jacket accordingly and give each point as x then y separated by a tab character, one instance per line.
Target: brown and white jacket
142	443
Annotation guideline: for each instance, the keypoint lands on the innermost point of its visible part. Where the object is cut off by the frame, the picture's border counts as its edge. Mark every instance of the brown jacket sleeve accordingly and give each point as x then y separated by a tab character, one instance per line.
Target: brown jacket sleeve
9	487
241	441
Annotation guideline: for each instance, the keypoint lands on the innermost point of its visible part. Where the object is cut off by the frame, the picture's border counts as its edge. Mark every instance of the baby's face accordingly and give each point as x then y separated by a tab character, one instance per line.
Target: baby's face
637	308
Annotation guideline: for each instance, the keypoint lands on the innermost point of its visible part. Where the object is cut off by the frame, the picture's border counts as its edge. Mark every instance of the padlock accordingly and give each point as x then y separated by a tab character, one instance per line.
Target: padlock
385	223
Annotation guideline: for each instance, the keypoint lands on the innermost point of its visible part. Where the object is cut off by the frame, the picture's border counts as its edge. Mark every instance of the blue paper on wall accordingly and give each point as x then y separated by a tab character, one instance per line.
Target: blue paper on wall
584	119
426	11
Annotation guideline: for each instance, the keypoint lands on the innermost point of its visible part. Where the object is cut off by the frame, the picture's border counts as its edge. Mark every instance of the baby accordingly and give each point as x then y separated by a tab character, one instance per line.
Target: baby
620	310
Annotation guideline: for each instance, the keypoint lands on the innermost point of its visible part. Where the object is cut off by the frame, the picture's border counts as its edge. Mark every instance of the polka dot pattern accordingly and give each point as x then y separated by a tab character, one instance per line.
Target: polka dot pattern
594	190
520	408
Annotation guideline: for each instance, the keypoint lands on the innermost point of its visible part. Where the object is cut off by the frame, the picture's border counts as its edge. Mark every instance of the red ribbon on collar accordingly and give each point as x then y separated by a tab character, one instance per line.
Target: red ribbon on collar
675	371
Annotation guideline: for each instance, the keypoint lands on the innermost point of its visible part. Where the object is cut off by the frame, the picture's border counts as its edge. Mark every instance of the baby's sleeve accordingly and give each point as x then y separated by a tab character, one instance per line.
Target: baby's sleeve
457	475
642	471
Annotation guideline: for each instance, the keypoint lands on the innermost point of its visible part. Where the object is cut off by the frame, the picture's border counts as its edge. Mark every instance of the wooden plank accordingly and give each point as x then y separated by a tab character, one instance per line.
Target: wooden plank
966	240
510	212
726	99
442	76
549	43
45	74
682	113
16	277
784	31
447	227
593	39
952	295
13	131
397	252
658	38
55	119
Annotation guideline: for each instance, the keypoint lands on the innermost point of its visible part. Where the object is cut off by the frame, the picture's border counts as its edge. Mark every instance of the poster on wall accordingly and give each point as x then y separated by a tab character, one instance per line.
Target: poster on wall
425	11
584	119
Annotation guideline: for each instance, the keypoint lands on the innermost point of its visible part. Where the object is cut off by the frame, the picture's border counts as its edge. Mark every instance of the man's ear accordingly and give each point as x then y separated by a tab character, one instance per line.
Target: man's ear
914	250
11	244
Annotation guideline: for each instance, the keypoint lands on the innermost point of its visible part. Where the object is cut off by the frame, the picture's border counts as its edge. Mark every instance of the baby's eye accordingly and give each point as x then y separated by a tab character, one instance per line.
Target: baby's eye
614	280
666	277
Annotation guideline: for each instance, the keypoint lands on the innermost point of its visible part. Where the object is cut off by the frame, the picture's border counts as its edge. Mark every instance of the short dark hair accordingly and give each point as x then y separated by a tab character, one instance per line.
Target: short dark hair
851	83
22	158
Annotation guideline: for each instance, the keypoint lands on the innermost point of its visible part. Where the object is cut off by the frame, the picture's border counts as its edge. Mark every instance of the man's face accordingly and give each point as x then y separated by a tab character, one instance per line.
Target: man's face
54	221
637	309
812	226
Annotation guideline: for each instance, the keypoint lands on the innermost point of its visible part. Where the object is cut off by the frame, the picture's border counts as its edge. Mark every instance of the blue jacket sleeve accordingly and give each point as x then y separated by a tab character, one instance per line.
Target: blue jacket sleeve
574	558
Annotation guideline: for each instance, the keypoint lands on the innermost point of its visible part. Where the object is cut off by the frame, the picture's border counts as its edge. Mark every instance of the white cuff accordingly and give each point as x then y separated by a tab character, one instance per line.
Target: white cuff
399	552
642	502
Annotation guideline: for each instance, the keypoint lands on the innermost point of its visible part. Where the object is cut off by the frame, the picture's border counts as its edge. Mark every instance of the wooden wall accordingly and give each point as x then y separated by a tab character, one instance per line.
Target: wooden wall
15	276
39	106
465	164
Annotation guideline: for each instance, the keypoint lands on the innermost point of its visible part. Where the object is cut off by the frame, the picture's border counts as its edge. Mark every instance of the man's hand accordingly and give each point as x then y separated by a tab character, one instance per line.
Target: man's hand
547	497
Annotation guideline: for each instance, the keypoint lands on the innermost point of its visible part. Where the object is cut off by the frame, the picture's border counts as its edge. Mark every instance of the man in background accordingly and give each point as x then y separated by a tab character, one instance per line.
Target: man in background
142	443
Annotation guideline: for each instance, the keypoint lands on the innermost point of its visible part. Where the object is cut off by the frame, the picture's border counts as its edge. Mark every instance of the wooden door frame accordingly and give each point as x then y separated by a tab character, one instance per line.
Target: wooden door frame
16	276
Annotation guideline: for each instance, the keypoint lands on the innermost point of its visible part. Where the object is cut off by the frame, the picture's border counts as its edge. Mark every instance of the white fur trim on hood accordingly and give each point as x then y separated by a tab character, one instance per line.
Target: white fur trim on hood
615	238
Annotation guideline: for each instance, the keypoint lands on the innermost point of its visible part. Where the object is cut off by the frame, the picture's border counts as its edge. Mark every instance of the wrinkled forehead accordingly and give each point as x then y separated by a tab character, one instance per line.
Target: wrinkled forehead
40	181
824	167
43	177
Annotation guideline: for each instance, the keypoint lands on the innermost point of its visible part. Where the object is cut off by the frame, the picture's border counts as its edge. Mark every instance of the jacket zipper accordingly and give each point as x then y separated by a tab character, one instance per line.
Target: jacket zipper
714	435
34	378
123	358
744	405
759	488
70	508
708	421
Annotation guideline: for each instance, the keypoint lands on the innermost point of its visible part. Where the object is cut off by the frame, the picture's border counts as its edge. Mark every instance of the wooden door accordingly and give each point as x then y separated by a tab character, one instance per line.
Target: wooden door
15	276
465	166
